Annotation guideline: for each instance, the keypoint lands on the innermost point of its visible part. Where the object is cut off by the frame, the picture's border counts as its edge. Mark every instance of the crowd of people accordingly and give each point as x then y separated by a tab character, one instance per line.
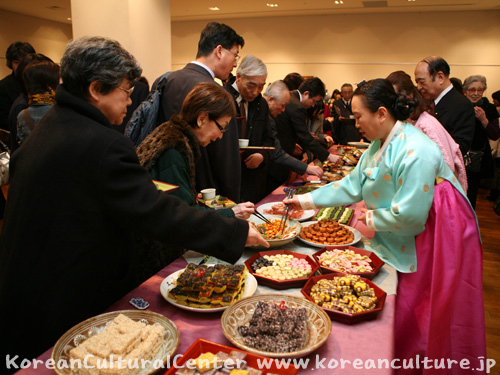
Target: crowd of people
81	195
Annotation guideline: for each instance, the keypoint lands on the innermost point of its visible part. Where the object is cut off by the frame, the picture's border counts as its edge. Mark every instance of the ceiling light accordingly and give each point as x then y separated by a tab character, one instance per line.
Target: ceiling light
272	5
213	8
339	2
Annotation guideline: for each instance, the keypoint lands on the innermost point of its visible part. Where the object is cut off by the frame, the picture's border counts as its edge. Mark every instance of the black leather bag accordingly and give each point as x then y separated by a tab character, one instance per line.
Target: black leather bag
472	161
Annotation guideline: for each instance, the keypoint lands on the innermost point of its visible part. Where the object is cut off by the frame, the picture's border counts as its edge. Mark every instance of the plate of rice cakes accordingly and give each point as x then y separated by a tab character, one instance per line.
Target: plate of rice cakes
119	339
328	233
208	287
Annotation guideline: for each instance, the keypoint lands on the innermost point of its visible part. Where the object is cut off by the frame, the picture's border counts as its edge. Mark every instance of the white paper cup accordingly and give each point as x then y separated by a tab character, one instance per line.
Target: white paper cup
208	194
243	142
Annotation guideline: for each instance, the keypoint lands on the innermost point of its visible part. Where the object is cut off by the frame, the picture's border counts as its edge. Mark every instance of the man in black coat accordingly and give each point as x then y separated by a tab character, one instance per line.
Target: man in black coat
252	123
291	126
218	49
453	110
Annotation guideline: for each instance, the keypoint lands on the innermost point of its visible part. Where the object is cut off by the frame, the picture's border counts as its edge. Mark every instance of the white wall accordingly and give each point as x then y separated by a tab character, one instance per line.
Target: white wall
138	25
47	37
350	48
337	48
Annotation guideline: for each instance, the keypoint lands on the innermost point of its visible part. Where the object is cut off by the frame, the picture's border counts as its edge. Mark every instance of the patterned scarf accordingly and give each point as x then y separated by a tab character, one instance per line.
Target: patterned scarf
44	98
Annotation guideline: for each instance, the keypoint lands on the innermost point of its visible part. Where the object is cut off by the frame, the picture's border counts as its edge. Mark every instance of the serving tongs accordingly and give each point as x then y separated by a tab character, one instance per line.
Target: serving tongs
261	217
289	195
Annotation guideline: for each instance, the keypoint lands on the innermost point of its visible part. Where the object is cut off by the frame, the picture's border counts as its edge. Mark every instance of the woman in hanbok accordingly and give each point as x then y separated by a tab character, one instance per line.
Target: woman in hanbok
424	227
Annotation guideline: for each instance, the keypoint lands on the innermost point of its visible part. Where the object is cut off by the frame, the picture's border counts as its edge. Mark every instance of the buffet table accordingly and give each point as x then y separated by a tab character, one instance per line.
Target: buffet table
348	349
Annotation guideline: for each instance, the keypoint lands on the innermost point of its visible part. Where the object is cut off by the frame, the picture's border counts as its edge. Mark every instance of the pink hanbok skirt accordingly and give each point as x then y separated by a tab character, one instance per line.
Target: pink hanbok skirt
439	308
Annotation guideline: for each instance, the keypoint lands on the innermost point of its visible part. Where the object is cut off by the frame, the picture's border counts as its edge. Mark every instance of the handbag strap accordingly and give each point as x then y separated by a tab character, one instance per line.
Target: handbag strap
28	120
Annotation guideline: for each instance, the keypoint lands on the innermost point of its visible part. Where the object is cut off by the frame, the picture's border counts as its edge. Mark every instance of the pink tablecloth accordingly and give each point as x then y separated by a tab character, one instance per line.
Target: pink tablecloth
349	349
361	342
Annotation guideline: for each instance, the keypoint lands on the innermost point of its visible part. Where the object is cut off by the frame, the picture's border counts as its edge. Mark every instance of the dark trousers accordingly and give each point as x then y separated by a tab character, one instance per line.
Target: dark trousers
473	180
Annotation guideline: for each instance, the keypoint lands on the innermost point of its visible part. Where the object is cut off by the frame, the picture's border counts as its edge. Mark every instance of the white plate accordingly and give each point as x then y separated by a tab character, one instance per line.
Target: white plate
169	283
359	144
293	225
306	215
357	236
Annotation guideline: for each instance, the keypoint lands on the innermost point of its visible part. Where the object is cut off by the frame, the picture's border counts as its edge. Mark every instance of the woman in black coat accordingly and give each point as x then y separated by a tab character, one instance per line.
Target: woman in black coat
486	128
77	197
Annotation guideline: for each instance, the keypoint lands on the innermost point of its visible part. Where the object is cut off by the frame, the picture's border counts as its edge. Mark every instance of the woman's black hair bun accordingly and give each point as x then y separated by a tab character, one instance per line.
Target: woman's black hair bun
404	105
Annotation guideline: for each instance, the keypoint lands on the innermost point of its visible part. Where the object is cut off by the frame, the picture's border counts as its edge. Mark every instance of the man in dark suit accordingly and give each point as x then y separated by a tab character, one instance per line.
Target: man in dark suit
10	90
252	123
291	126
277	96
9	85
344	126
453	110
217	55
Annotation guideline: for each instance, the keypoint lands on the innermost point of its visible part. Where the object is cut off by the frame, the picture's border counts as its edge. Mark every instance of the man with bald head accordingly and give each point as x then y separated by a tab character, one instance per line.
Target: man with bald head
277	96
453	110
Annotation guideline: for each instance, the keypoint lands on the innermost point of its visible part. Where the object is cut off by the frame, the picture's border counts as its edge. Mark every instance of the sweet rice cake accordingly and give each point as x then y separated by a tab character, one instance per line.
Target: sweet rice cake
203	286
117	349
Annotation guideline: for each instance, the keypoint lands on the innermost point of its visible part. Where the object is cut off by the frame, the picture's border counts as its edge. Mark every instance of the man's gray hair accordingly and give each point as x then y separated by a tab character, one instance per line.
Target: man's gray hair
276	89
251	66
476	78
90	59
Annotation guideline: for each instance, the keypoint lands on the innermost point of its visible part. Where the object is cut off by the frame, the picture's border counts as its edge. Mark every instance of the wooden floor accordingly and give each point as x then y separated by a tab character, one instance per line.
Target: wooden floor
489	224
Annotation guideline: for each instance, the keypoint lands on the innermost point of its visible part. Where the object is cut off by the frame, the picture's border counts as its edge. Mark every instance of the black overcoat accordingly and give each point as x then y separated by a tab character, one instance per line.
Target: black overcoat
77	198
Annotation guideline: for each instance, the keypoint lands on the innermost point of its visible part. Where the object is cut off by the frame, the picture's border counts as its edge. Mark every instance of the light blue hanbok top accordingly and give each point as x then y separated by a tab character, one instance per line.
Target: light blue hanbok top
396	180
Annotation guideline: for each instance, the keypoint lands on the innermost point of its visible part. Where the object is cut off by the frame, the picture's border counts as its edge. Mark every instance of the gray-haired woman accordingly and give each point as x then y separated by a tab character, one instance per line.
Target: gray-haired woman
486	128
77	198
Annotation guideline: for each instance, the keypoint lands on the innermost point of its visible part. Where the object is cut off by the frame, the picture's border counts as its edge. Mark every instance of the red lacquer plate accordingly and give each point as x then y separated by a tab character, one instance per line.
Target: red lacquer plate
266	365
343	317
281	284
376	262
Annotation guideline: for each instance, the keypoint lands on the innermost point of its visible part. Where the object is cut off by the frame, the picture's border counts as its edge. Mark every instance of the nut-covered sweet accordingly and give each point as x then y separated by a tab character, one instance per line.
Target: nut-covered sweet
348	294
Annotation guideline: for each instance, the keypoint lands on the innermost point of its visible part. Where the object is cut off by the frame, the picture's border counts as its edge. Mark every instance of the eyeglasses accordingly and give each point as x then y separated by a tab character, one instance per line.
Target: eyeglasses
128	91
473	91
316	101
221	129
236	56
